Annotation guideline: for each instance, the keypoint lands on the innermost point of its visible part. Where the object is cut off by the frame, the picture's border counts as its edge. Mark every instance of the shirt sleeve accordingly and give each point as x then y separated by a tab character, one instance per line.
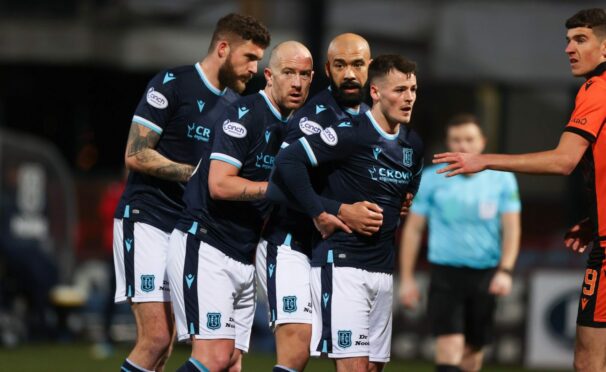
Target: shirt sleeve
422	200
158	102
301	125
510	196
233	137
590	112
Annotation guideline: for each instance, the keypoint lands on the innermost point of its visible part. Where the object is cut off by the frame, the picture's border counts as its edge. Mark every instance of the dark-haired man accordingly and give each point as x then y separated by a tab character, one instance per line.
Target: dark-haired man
377	158
170	130
583	141
212	248
283	255
474	238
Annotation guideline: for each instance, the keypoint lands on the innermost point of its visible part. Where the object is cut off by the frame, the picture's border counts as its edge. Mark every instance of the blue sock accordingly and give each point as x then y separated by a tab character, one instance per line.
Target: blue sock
129	366
192	365
279	368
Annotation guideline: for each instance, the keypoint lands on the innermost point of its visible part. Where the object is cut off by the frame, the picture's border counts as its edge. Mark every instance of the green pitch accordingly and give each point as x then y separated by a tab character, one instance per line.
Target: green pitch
79	357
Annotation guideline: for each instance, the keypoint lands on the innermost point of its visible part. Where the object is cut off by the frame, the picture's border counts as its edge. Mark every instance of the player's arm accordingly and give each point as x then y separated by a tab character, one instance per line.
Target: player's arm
141	156
561	160
510	245
410	244
225	184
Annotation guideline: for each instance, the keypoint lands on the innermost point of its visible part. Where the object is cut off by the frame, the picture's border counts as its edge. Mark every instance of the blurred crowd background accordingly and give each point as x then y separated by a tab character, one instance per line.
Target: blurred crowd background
72	72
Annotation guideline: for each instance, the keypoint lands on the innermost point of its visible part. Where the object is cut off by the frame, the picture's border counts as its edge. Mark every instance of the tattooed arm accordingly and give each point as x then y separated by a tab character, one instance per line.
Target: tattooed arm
225	184
141	156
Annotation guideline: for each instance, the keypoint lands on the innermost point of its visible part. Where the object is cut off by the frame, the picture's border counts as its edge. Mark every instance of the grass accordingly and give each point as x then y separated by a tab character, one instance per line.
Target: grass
79	357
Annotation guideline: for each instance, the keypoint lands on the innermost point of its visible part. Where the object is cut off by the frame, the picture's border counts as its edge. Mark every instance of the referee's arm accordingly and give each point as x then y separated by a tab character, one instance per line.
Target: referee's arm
510	245
412	233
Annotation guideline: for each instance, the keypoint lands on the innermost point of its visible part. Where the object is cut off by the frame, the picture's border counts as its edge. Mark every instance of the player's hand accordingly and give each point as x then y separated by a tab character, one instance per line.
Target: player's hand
406	204
409	293
579	236
327	224
364	217
460	163
500	285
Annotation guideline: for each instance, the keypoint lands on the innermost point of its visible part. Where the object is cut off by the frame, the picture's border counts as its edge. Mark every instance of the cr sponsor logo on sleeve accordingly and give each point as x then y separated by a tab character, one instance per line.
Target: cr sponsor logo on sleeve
156	99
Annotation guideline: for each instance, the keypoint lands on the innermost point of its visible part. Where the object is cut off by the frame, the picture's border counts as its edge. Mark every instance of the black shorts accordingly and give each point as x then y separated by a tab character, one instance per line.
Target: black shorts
459	303
592	302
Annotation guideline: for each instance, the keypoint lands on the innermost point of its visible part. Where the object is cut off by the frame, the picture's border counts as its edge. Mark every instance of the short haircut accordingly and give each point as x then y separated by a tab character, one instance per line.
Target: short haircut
241	26
462	119
384	64
594	19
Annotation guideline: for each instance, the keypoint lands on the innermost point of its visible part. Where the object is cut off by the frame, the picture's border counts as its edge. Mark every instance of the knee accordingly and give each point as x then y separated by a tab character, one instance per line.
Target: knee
158	342
582	362
220	362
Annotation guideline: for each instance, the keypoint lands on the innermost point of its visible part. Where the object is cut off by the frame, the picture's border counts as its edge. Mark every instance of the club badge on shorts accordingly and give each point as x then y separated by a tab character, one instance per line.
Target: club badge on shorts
344	338
289	304
147	283
213	320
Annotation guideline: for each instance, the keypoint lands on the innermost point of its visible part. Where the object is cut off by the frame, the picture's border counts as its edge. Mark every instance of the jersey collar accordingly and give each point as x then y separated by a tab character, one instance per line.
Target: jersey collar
207	83
599	70
272	108
378	128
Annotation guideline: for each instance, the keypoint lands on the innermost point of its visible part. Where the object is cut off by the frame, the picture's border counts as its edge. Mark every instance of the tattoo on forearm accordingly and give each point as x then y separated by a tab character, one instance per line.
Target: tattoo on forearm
141	146
252	195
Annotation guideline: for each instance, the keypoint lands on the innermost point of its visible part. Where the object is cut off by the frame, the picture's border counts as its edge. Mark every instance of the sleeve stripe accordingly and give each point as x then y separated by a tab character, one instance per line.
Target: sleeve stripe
585	134
284	145
309	151
146	123
226	158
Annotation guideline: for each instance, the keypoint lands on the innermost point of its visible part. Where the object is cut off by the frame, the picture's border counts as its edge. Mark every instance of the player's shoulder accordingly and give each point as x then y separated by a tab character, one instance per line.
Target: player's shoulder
498	177
174	75
595	87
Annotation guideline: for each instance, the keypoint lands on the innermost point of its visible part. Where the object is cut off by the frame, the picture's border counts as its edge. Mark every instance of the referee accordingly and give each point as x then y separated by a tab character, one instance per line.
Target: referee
474	237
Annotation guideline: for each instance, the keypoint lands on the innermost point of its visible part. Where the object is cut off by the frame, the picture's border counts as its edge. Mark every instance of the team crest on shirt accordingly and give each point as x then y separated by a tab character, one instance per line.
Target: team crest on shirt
213	320
407	157
289	304
344	339
147	283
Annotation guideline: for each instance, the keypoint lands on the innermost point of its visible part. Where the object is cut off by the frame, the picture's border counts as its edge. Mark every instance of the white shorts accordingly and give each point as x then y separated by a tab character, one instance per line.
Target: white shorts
140	252
287	290
213	295
352	313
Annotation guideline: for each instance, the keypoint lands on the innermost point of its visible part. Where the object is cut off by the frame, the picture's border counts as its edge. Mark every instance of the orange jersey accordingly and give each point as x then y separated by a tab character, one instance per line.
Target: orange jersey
587	120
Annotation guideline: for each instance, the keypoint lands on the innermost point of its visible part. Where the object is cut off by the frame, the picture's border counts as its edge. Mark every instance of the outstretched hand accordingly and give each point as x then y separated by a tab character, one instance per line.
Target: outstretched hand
579	236
459	163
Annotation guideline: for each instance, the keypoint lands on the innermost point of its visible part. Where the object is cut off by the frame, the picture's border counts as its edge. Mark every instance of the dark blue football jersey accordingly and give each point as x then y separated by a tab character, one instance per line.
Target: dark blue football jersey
181	106
368	164
248	137
286	224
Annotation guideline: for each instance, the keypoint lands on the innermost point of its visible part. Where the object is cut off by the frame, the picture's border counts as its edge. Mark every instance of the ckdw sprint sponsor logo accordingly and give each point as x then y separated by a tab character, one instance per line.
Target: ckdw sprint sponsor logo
329	136
309	127
156	99
198	132
265	161
232	129
389	175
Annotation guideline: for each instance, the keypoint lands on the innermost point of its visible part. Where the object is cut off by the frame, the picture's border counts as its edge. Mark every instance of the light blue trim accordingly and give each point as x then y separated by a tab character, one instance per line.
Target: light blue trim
226	158
330	257
127	211
272	108
194	228
284	145
210	87
352	111
309	151
192	329
288	239
325	346
198	365
378	128
148	124
125	369
285	368
130	291
273	315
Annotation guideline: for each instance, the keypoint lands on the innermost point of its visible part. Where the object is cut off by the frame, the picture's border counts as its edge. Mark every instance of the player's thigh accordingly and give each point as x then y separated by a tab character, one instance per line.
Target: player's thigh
590	343
244	304
181	282
292	300
445	305
353	364
154	319
480	308
380	317
141	252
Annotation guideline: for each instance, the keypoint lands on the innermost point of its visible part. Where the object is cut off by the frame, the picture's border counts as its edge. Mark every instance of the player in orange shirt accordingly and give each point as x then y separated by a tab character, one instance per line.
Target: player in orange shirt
583	141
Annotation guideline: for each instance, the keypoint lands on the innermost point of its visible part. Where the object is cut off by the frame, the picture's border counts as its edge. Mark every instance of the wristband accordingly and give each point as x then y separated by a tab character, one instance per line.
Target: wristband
506	271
